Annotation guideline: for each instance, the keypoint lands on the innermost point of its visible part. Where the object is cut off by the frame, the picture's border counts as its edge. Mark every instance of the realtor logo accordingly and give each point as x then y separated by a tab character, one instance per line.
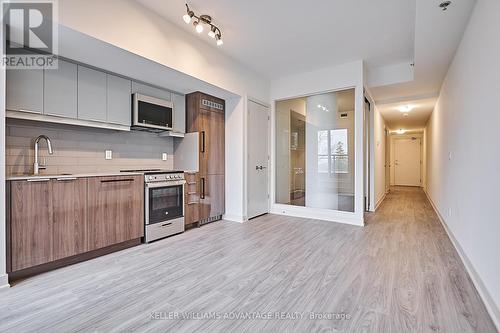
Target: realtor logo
30	31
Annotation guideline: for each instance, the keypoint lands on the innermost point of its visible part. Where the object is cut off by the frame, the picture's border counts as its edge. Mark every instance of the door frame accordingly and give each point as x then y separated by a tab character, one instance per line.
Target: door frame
246	157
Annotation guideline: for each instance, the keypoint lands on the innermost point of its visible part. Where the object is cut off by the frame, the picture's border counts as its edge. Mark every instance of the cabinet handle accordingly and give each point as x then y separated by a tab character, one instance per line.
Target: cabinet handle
190	193
191	183
192	203
202	141
166	224
66	179
34	180
117	180
29	111
202	196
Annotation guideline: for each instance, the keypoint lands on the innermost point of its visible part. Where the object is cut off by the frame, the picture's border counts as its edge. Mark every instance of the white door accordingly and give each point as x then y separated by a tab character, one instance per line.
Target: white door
258	159
407	162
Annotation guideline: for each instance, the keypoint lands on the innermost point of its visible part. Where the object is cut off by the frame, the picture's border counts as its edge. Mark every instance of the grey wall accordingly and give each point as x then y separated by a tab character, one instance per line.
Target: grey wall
82	150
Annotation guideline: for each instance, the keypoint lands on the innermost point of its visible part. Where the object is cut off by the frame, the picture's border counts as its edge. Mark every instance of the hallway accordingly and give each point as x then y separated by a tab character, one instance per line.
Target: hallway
400	273
431	289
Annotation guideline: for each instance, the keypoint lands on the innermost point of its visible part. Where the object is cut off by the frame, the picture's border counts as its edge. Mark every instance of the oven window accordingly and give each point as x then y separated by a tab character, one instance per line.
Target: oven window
165	203
152	114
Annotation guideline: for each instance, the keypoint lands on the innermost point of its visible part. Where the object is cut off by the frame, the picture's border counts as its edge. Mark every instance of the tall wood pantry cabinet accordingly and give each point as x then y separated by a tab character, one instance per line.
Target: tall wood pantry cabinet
205	114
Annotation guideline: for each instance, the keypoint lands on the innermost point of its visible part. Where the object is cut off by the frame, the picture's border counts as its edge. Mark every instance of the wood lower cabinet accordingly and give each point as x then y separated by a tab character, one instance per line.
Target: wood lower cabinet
115	210
69	217
56	221
192	199
30	223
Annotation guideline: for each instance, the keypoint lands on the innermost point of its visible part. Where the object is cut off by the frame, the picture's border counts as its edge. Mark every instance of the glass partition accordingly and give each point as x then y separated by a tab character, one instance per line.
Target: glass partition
315	151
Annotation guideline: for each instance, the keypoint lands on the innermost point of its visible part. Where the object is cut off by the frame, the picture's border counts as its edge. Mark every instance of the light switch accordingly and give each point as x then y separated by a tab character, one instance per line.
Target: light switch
164	156
109	155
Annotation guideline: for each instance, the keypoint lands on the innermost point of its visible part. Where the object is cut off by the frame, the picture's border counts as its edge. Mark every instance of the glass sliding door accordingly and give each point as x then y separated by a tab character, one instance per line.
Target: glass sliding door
315	151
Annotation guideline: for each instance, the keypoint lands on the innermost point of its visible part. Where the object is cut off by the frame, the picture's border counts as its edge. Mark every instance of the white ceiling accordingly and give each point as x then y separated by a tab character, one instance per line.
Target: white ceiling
279	38
415	119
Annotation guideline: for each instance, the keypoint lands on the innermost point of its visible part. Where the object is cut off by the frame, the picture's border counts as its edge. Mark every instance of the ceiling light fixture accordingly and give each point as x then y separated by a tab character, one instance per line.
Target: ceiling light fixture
406	108
200	21
401	131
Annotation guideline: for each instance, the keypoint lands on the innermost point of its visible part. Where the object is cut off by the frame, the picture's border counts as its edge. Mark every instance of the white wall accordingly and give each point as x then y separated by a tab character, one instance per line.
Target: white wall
349	75
463	154
379	147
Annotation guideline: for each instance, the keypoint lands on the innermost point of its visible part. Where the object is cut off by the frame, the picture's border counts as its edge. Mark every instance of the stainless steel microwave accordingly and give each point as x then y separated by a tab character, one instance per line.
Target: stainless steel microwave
152	113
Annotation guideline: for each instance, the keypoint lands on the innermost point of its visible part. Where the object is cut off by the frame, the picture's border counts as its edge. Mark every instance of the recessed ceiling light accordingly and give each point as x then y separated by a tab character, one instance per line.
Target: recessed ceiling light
406	108
444	5
401	131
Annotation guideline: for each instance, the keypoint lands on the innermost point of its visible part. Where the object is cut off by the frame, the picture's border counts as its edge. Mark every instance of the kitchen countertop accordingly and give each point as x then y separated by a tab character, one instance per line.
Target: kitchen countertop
76	175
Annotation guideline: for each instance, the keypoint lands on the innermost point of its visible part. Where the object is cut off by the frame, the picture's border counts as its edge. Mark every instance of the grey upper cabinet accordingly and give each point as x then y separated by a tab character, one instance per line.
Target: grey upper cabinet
151	91
60	90
119	100
179	113
25	90
91	94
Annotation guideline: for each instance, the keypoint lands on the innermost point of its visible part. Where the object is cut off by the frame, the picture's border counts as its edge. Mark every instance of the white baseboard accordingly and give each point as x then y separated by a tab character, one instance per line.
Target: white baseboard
4	281
234	218
488	301
380	201
318	214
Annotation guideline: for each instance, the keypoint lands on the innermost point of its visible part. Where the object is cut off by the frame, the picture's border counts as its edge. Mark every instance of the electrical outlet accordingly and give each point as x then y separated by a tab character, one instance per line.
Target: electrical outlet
109	155
450	156
449	212
164	156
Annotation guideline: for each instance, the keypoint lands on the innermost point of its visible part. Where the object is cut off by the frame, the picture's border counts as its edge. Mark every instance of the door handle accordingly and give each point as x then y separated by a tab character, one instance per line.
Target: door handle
260	167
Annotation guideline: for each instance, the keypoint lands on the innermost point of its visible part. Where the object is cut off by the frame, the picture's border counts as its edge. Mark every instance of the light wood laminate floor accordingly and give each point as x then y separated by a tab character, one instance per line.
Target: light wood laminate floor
398	274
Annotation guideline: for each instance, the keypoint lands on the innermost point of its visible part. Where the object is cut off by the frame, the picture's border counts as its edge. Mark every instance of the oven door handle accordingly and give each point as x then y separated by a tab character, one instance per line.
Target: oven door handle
166	184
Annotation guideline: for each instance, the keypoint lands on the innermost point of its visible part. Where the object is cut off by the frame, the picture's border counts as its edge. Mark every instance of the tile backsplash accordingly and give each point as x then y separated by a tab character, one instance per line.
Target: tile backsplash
82	150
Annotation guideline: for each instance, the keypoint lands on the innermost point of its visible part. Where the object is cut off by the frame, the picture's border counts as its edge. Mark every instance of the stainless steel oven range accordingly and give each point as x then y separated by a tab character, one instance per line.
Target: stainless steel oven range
163	203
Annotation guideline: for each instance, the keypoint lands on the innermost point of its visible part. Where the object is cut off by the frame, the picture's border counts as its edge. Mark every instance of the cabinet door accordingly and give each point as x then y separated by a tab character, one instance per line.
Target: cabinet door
115	210
60	90
211	196
25	90
70	217
179	113
30	223
212	142
119	100
91	94
192	201
151	91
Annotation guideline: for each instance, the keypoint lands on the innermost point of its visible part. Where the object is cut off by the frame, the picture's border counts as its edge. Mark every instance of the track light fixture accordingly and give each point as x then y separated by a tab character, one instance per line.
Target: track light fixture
214	31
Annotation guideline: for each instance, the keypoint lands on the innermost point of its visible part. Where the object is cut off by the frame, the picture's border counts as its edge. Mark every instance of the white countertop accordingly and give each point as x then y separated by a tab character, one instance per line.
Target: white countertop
77	175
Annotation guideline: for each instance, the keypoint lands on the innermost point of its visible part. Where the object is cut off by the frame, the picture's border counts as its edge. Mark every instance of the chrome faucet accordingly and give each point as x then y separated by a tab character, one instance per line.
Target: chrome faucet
37	166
